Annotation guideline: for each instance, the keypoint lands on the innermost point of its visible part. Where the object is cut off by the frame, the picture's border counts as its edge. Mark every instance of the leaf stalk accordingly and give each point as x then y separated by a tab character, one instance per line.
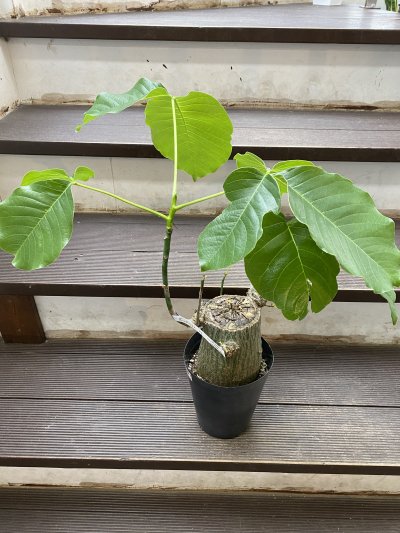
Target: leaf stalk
198	200
124	200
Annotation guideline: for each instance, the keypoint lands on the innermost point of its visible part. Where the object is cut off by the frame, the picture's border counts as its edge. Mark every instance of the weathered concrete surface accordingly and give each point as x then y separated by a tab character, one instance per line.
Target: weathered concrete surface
193	480
125	177
57	70
21	8
340	323
8	88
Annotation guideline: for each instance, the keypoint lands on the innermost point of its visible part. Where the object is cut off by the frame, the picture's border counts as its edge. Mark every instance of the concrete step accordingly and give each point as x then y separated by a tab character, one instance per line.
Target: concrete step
109	404
125	177
285	54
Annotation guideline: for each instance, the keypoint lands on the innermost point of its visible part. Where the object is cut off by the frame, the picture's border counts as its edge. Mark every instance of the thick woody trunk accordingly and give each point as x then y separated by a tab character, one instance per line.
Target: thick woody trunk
233	322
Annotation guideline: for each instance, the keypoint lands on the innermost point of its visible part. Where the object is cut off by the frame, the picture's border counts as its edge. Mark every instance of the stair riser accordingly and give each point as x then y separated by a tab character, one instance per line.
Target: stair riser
341	322
148	181
8	89
75	70
194	480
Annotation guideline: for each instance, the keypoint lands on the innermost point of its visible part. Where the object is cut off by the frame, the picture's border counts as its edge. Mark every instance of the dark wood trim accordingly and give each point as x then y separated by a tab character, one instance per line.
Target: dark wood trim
216	466
344	294
289	24
20	320
147	151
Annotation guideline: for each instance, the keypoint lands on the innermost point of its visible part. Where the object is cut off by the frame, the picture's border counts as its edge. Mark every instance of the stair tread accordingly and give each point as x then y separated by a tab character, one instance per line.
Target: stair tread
49	418
272	134
153	371
300	23
120	255
99	510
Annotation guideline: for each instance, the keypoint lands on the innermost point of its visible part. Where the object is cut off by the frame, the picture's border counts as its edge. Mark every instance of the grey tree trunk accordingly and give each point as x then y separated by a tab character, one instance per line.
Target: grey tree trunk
233	322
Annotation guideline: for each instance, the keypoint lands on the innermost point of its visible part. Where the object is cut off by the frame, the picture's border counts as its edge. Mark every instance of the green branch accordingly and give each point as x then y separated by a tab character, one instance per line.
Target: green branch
165	259
124	200
170	220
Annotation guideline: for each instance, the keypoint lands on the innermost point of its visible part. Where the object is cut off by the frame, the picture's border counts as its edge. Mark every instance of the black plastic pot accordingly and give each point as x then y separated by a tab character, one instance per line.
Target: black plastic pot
224	412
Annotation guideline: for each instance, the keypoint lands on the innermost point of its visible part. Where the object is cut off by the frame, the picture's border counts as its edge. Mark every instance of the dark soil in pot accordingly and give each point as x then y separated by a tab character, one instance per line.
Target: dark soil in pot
225	412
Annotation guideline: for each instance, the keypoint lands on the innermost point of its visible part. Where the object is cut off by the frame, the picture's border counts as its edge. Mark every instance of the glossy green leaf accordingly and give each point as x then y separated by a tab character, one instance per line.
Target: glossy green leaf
204	131
291	163
83	174
344	222
115	103
36	223
251	160
234	233
287	268
43	175
279	168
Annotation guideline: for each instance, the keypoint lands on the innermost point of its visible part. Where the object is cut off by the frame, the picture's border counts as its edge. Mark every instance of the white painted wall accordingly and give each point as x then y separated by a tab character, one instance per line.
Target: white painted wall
126	177
147	317
7	8
76	70
8	88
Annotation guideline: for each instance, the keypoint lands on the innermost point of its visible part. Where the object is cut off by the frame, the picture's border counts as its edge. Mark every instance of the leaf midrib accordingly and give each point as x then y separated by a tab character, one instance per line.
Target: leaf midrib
298	255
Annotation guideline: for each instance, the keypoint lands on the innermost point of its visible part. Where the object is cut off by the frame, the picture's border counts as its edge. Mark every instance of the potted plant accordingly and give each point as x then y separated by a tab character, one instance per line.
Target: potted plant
292	263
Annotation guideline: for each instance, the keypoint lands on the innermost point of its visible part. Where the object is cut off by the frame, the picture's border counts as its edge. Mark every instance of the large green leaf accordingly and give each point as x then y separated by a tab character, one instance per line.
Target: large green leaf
287	268
344	222
204	131
234	233
36	223
115	103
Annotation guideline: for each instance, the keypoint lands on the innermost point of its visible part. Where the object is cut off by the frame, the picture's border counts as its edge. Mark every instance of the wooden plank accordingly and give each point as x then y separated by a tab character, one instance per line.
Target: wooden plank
281	23
146	370
121	256
20	320
165	435
70	408
271	134
107	511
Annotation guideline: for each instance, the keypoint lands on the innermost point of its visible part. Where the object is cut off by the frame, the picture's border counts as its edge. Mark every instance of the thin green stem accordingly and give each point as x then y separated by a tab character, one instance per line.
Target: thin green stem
221	291
124	200
170	219
203	279
198	200
166	251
